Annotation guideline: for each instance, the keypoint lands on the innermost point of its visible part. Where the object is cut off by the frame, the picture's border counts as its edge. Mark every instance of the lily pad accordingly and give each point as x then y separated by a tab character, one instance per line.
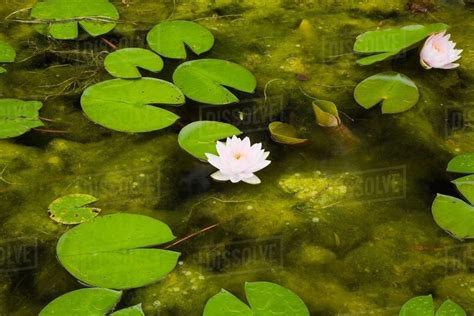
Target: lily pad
170	38
114	251
423	306
395	91
387	43
462	164
70	209
126	105
199	138
465	185
124	63
18	117
205	80
326	113
264	298
285	134
61	18
7	54
83	302
454	216
130	311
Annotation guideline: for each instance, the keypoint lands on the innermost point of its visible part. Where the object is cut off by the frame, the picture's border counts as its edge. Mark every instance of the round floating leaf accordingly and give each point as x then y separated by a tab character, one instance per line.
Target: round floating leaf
326	113
395	91
125	105
170	38
264	298
390	42
61	17
70	209
114	251
124	63
449	308
205	80
7	54
199	138
465	185
285	134
130	311
418	306
18	117
462	164
454	215
83	302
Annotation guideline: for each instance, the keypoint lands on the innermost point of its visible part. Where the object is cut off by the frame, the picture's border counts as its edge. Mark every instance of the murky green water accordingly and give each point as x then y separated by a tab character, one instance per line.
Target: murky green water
344	222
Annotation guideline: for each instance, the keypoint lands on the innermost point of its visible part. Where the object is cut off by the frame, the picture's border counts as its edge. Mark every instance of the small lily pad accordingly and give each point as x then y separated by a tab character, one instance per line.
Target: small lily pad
285	134
124	63
60	18
7	54
462	164
127	105
18	117
130	311
114	251
396	92
326	113
390	42
454	216
70	209
205	80
465	185
264	298
449	308
170	38
83	302
199	138
424	306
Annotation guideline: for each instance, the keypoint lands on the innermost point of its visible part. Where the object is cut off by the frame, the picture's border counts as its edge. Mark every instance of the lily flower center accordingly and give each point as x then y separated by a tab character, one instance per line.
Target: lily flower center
238	155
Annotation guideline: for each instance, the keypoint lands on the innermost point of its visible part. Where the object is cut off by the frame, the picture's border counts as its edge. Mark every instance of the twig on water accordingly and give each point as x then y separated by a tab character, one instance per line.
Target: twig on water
109	43
192	235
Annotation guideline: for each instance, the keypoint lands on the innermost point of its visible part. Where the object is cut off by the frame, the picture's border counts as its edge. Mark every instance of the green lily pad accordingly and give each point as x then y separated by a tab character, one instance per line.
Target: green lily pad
387	43
7	54
70	209
61	18
124	63
114	251
170	38
465	185
454	216
130	311
83	302
285	134
199	138
395	91
126	105
326	113
264	298
462	164
18	117
205	80
423	306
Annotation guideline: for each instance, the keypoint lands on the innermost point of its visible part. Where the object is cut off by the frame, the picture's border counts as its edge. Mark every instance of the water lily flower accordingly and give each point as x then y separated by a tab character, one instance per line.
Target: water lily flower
238	160
440	52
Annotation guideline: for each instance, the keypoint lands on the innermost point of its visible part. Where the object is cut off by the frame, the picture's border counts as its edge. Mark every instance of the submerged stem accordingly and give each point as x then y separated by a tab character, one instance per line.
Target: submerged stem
191	236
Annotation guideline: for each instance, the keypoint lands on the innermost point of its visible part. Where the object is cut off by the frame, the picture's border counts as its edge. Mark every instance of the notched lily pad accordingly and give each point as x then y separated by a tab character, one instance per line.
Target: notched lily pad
127	105
170	38
199	138
462	164
114	251
285	134
18	117
454	216
130	311
124	63
326	113
395	91
264	298
61	18
424	306
71	210
83	302
205	80
7	54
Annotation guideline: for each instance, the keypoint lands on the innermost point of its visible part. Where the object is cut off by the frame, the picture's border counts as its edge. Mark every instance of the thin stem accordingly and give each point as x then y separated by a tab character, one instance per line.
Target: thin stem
111	45
192	235
41	130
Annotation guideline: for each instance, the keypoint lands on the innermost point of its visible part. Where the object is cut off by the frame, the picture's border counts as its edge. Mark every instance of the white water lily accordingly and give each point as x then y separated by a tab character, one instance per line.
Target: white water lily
440	52
238	160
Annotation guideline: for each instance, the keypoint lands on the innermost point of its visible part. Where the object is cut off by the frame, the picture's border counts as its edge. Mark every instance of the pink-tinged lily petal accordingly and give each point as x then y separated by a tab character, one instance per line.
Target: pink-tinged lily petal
219	176
439	52
252	180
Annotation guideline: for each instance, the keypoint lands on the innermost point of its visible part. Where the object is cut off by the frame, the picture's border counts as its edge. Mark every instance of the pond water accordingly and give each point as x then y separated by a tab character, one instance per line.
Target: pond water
344	221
